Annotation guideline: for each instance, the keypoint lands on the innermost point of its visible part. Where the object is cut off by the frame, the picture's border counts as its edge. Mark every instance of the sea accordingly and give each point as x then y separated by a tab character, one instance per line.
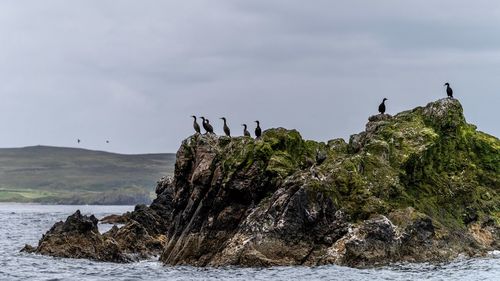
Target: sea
22	224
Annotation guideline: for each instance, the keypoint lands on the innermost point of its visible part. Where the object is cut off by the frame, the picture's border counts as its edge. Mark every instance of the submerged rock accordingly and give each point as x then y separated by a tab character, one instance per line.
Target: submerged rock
419	186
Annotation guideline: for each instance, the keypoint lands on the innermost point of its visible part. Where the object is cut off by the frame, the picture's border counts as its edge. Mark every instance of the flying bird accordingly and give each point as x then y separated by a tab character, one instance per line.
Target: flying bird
449	90
381	107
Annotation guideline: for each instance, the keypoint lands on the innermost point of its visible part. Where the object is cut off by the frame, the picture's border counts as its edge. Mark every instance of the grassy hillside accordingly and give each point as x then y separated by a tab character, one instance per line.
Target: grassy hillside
79	176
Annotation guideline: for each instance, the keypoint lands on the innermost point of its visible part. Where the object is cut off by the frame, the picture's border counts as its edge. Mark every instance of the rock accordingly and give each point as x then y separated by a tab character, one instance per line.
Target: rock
135	240
149	219
373	242
28	249
419	186
78	237
445	114
116	219
379	117
217	184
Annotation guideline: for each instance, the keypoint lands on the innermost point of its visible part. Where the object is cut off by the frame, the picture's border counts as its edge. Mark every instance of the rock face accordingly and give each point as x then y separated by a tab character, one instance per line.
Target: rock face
422	185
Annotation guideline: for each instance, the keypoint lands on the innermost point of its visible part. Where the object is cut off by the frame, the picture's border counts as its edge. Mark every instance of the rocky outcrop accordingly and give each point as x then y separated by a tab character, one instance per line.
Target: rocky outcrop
78	237
422	185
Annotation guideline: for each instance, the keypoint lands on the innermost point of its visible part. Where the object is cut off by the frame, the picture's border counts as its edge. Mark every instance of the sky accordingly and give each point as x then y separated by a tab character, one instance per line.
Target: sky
132	72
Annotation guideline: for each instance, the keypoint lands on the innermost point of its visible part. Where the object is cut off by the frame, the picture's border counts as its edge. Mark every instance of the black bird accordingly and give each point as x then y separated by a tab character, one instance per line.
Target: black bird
78	140
381	107
258	130
226	128
204	123
246	133
449	91
195	124
207	126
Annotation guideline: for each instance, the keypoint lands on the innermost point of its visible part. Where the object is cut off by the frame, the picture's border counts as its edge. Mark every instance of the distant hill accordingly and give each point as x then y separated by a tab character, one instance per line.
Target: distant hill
78	176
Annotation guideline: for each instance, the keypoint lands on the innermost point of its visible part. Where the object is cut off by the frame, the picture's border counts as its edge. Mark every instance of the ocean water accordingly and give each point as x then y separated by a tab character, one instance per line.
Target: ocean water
25	223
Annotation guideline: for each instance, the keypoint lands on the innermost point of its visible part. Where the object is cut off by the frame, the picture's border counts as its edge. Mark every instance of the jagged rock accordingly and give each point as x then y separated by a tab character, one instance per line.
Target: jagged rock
135	240
78	237
420	186
373	242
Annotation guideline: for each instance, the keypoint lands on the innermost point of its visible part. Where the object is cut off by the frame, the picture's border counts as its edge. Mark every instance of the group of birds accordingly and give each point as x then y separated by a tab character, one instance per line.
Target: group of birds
449	92
210	130
258	131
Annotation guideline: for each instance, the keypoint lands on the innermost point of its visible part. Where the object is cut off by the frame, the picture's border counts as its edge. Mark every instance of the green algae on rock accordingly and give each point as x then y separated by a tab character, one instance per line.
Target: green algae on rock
419	186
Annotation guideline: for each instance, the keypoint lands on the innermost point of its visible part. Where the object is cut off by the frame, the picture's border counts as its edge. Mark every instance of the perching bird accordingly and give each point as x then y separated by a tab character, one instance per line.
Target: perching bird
195	125
449	91
206	125
209	127
78	140
381	107
258	130
246	133
226	128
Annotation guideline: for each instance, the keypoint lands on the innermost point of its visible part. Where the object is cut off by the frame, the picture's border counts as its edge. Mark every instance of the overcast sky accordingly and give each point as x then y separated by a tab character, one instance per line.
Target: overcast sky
134	71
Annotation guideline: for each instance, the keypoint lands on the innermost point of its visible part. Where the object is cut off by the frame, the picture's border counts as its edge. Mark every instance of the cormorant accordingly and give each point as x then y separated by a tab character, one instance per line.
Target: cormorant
226	128
258	130
246	133
381	107
449	91
206	125
210	128
195	125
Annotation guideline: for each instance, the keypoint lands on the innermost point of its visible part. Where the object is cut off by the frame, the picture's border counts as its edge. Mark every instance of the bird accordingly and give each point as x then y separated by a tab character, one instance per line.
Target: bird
258	130
246	133
78	140
226	128
195	125
107	141
449	91
209	127
381	107
206	125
